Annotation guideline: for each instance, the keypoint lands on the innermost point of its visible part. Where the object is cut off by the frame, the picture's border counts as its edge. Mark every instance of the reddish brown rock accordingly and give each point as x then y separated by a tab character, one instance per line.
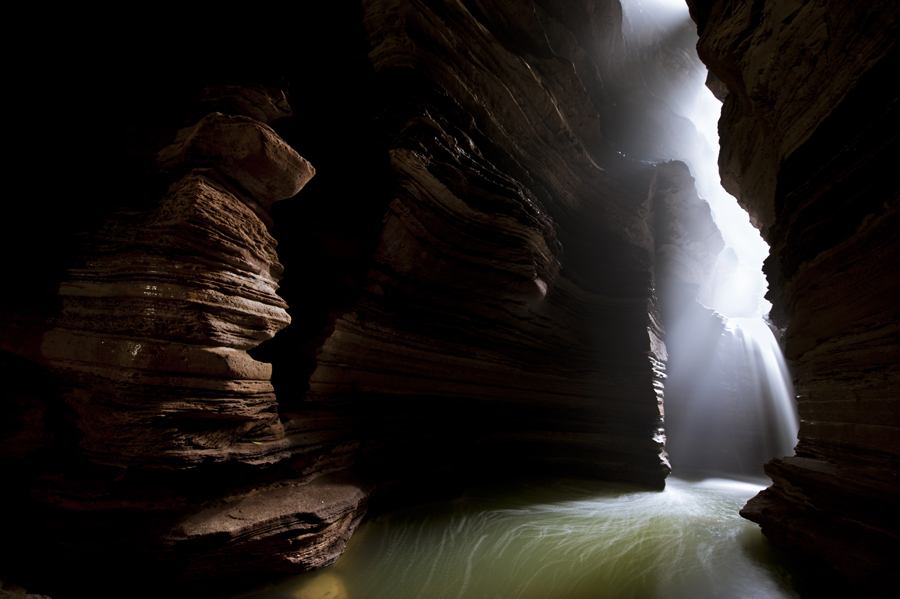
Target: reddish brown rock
470	310
146	340
155	325
292	526
245	151
809	137
472	277
472	288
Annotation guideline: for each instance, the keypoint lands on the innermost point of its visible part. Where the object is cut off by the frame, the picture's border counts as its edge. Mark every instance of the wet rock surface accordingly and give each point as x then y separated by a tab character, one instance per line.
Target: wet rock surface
809	129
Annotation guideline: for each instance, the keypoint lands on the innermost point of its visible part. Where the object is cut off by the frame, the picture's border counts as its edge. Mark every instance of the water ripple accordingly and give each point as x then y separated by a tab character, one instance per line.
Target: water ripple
558	540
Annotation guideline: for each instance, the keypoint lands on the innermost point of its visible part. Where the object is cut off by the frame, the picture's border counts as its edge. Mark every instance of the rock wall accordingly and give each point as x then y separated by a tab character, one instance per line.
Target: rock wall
154	432
470	310
471	280
809	131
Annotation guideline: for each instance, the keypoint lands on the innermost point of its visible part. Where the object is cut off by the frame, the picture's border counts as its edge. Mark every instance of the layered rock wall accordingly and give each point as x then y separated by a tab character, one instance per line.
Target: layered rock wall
154	426
471	278
471	311
809	132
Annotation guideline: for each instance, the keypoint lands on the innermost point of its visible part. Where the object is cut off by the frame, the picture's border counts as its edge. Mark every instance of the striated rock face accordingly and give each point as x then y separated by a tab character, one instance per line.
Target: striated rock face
474	278
809	132
292	527
156	318
146	344
154	329
470	312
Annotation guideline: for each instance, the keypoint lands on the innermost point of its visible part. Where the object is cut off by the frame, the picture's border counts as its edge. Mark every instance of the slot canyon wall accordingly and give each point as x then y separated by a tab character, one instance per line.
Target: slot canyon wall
808	134
469	274
477	228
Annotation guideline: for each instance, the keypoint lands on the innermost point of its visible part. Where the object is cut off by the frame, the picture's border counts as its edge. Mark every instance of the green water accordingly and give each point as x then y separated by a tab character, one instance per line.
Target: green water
557	540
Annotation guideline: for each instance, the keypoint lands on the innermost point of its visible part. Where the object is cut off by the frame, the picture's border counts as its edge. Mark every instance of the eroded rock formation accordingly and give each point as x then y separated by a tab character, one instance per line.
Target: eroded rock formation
470	307
147	346
809	132
473	292
474	275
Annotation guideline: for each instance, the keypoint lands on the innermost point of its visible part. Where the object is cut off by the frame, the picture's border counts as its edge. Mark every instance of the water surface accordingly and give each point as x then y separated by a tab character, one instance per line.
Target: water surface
557	540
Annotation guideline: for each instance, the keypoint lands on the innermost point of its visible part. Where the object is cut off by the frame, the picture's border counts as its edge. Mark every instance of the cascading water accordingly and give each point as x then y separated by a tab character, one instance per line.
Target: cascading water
568	539
729	399
729	396
769	382
729	409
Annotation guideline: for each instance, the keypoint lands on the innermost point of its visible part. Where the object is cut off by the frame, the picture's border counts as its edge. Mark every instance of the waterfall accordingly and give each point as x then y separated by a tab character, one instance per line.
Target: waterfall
770	383
729	399
729	396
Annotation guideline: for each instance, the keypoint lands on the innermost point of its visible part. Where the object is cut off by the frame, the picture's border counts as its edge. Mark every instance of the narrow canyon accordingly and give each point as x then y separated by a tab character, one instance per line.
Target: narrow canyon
393	249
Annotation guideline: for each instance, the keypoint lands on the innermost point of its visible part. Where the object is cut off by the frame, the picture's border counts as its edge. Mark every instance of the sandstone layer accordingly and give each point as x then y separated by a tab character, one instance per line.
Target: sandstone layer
469	311
809	133
148	423
474	278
